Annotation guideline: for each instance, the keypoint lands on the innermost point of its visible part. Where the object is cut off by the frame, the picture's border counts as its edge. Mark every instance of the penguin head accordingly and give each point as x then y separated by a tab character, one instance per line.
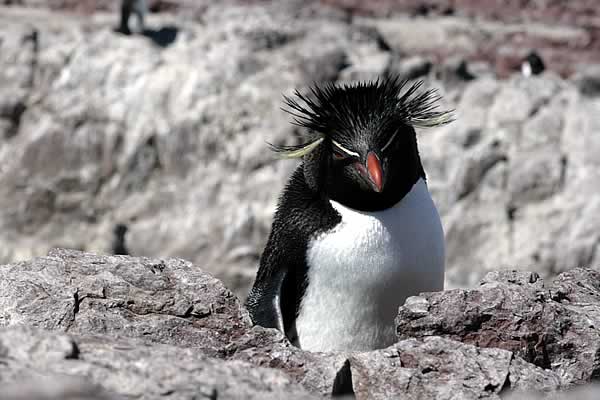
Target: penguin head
362	146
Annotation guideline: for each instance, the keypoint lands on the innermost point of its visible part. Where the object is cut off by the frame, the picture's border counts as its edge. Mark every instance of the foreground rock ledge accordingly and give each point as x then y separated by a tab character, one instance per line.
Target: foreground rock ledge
85	326
556	326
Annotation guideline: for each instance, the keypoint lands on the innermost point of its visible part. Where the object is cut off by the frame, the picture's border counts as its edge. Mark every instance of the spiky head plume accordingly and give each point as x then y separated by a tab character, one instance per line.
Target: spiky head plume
340	112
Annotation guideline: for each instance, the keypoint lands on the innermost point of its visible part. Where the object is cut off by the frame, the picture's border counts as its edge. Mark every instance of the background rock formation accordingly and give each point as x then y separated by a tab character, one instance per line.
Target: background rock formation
112	142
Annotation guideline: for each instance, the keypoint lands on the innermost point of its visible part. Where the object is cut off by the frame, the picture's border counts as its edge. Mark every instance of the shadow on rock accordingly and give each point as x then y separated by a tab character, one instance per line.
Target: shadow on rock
162	37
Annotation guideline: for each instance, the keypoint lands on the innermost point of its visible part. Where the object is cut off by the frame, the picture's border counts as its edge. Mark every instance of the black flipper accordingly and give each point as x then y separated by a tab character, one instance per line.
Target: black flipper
280	282
264	301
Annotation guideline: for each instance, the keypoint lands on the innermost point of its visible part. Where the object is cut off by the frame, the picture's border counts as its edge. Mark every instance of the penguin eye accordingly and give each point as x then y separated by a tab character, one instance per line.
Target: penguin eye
341	153
338	155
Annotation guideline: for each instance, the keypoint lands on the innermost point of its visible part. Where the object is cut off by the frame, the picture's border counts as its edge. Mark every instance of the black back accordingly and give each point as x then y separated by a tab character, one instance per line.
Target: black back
302	213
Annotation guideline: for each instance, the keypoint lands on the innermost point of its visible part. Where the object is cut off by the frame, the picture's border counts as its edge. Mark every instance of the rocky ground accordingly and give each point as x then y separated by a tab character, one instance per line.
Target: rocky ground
84	326
497	32
155	144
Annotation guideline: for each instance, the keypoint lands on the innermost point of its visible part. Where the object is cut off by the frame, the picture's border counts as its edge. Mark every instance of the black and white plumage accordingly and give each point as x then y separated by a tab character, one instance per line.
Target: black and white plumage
355	231
532	64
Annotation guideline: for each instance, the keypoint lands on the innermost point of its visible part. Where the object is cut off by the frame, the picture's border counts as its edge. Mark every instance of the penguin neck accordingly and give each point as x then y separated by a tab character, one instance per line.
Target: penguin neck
371	201
401	179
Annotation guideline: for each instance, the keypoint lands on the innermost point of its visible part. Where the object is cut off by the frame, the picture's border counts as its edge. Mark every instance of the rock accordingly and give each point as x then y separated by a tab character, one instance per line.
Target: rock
88	155
473	171
58	365
501	34
498	32
55	388
105	134
552	327
318	372
93	367
98	327
539	177
590	392
508	173
442	369
454	71
409	67
366	67
167	301
588	81
111	143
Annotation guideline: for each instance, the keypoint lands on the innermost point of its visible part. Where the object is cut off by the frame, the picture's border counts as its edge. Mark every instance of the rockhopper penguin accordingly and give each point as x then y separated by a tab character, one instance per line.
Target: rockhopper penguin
356	231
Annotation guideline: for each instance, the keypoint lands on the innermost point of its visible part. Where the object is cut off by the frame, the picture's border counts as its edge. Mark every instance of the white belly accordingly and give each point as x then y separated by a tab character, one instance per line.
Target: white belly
362	271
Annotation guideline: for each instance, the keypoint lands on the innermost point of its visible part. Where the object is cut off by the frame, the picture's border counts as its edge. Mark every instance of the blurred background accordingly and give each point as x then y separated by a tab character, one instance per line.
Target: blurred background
150	139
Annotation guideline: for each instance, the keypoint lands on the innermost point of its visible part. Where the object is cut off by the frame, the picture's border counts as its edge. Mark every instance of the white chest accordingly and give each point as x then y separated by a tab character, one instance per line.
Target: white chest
362	271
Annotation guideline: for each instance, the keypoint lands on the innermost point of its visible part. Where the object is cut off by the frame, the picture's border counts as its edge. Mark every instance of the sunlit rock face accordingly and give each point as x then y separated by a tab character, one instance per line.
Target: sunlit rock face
155	145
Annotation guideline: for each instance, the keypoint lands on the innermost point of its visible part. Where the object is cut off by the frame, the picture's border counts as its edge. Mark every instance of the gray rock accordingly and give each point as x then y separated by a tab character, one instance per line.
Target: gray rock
318	372
102	130
510	180
44	365
409	67
163	140
539	177
588	80
555	327
167	301
94	327
589	392
438	368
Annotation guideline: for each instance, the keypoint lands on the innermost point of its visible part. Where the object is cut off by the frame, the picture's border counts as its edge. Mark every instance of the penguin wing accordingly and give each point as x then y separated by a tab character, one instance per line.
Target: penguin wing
280	282
275	297
264	300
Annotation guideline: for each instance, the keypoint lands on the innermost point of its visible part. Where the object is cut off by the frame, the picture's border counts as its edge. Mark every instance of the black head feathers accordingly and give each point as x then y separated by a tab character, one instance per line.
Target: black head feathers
340	112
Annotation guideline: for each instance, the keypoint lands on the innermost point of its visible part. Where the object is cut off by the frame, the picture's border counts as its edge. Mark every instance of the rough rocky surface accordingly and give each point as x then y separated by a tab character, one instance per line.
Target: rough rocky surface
565	33
103	368
436	368
155	145
86	326
167	301
555	326
590	392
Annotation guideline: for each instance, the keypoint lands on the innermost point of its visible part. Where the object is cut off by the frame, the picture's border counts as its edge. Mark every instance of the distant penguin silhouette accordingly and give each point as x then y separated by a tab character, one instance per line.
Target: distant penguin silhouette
139	8
118	243
532	64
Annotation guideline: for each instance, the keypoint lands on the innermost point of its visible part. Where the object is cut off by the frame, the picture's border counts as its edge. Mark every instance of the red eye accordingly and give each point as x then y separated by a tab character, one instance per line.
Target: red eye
338	155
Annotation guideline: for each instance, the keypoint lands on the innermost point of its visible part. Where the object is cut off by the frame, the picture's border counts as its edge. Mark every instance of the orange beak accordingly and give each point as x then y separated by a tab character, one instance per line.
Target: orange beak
375	171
